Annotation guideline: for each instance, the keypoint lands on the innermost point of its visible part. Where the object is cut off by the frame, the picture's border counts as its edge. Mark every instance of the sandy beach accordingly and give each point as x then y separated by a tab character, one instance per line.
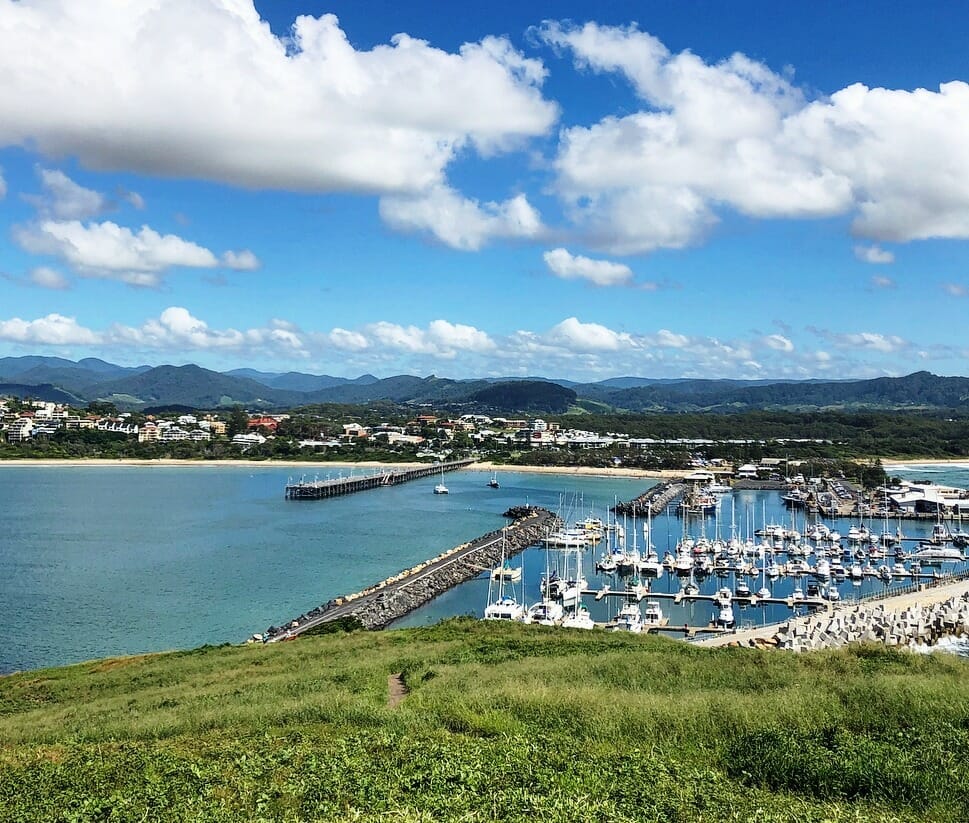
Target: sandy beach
954	462
326	465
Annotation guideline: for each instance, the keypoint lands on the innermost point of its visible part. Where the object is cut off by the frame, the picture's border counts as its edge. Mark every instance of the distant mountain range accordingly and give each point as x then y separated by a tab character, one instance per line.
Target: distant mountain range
67	381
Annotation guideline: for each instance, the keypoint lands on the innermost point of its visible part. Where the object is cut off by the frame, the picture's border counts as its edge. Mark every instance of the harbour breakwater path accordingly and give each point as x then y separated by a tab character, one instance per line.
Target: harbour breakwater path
380	605
321	489
656	498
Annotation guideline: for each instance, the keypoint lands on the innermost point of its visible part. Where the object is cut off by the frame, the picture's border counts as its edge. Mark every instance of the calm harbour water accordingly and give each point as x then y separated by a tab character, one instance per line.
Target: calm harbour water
98	561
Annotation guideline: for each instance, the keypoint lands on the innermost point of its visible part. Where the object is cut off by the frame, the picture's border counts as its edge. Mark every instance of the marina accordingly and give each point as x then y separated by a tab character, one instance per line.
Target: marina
80	584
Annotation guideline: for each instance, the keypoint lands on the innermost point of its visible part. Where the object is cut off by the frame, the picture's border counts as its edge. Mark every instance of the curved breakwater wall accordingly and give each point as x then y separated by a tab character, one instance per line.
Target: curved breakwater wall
379	605
658	497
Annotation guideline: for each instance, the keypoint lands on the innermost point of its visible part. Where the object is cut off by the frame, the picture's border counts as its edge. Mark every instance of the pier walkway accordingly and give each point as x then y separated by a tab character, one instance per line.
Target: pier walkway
321	489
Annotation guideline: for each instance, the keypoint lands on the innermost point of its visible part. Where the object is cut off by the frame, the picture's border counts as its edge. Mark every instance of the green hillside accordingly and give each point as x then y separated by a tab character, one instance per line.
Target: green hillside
500	723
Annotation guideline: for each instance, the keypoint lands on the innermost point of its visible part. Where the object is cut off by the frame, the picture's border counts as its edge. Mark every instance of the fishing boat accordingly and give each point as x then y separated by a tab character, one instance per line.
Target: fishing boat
493	483
629	619
653	614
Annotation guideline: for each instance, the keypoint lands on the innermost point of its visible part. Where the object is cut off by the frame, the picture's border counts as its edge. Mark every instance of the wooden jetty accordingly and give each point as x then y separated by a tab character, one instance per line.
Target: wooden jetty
321	489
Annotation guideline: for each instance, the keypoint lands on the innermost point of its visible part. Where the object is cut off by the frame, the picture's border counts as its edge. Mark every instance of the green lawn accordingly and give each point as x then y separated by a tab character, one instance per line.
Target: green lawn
500	723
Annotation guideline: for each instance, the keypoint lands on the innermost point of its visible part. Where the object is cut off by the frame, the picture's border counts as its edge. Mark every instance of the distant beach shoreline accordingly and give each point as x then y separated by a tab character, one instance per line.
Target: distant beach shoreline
953	462
484	466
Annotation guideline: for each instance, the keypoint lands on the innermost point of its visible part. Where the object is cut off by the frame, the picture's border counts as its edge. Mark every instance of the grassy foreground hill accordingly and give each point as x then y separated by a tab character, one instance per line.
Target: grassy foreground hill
499	723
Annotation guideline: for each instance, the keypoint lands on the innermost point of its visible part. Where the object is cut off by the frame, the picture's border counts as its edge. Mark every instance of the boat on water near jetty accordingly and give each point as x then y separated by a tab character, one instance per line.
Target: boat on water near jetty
629	619
579	619
493	483
506	572
504	608
440	488
933	552
545	613
653	614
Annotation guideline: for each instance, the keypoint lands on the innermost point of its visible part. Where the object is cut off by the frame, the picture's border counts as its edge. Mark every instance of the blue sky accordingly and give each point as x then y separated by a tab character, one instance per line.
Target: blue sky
575	190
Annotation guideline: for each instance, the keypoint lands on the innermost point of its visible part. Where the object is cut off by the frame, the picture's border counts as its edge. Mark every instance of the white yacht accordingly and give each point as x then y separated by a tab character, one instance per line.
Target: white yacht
725	618
504	608
579	619
653	615
629	619
930	552
545	613
440	488
500	605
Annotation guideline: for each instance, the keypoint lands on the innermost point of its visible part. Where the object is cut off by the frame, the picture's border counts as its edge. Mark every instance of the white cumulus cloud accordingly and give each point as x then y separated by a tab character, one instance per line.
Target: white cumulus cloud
460	222
107	250
48	278
874	254
177	329
54	330
63	199
875	341
778	342
575	335
440	339
204	89
243	260
601	272
734	134
348	340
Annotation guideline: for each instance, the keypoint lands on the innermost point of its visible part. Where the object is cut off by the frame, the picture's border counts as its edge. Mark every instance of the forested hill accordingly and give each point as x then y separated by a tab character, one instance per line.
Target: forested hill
190	385
526	396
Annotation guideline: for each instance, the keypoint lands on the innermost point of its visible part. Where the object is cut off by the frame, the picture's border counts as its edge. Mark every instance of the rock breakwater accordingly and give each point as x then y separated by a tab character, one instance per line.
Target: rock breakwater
379	605
658	498
914	625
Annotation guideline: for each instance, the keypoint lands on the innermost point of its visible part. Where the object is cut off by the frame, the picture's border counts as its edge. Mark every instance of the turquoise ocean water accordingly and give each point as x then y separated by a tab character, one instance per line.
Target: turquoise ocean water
98	561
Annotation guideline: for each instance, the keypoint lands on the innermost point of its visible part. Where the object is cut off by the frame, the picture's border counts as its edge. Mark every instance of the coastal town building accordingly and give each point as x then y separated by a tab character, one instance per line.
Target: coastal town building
251	439
20	430
148	432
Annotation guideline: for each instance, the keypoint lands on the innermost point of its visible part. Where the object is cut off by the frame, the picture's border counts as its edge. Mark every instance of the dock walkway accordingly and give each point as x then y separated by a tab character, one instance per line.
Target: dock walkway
321	489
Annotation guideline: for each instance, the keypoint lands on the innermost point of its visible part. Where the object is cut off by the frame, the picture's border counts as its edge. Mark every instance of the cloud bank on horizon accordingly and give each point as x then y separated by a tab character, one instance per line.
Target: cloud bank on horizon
470	163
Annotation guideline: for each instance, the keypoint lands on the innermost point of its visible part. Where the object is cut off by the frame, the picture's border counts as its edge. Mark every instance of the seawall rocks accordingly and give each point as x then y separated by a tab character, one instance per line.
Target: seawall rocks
914	625
379	605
